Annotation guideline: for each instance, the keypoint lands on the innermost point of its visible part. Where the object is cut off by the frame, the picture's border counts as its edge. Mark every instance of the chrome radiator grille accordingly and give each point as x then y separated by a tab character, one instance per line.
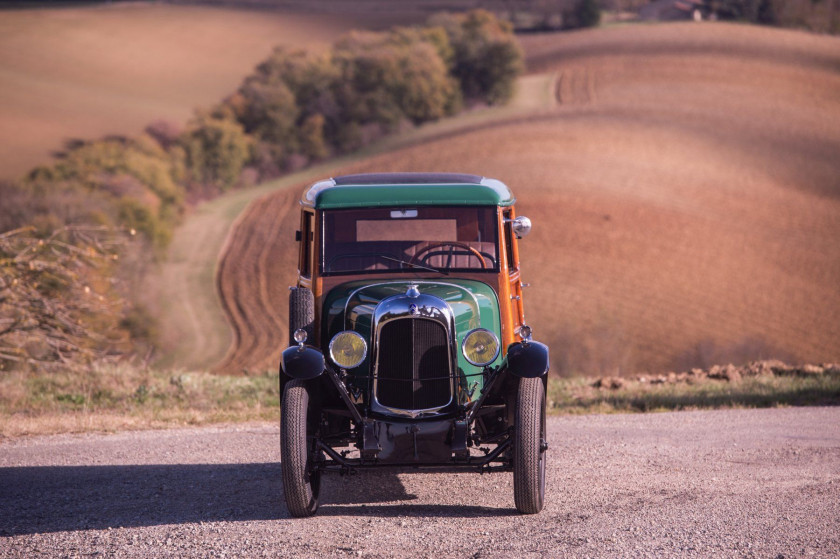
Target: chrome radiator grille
413	365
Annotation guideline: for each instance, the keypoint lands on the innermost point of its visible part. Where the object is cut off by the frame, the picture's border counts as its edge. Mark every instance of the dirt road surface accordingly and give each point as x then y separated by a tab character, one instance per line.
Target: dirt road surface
737	483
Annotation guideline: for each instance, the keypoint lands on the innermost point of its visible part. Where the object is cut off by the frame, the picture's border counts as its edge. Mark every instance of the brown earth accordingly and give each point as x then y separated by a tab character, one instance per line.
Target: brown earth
255	272
685	193
83	72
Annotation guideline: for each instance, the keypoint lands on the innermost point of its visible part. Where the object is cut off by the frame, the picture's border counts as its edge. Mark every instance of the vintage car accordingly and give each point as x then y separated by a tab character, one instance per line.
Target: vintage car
408	344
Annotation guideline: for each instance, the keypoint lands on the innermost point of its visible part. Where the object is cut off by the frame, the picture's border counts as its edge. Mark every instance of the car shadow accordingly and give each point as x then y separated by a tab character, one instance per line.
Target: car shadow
415	511
41	499
376	493
58	498
365	487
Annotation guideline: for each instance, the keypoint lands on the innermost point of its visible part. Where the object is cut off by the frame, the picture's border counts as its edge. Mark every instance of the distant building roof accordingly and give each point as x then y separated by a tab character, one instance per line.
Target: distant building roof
407	189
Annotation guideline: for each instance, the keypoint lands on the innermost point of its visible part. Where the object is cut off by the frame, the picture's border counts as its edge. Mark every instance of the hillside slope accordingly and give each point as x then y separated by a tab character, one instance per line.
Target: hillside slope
87	71
685	193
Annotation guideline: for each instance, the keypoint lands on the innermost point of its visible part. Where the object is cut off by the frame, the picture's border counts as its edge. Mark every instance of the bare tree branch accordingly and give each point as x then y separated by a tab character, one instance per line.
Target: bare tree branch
47	304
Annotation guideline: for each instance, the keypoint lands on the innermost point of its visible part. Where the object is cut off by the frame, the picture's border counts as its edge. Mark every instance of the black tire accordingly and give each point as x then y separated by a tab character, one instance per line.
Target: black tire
529	446
297	429
301	313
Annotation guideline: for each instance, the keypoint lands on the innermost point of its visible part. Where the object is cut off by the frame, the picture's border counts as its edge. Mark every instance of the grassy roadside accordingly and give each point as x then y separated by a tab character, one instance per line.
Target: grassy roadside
124	397
580	395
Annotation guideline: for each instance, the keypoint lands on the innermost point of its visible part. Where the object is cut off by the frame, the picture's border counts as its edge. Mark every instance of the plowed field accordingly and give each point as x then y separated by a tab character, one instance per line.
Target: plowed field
88	71
685	194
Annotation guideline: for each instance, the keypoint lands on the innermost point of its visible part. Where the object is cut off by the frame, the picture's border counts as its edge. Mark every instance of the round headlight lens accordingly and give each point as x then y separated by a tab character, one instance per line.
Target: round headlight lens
480	347
348	349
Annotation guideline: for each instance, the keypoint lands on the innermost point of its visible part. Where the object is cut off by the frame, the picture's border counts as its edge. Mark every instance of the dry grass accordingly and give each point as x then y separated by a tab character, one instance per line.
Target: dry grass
82	72
122	397
579	395
109	398
685	197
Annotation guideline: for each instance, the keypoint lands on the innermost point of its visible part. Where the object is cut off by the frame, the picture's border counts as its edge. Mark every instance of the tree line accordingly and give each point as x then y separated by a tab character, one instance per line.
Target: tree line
82	230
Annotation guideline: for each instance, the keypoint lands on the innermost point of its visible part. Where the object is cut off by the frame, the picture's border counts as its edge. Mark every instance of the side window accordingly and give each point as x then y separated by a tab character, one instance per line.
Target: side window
306	244
512	263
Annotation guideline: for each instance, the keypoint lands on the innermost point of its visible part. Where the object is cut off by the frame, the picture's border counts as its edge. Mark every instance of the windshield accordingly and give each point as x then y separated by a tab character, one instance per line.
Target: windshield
410	239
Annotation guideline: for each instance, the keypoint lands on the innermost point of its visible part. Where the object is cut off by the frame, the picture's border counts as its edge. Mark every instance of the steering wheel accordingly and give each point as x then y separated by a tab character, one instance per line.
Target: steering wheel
458	244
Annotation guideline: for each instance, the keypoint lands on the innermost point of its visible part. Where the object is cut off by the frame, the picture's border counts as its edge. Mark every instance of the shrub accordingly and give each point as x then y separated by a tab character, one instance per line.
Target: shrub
310	78
215	150
423	89
367	66
269	111
487	58
311	140
55	300
388	77
586	13
754	11
164	132
287	103
111	171
17	206
137	216
48	206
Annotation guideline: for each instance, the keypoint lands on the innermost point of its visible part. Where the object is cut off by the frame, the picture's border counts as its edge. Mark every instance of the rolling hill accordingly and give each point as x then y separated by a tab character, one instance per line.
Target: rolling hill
88	71
685	193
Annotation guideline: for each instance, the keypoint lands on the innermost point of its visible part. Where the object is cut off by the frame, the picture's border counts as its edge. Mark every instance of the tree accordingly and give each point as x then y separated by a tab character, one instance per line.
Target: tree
587	13
269	111
311	139
754	11
423	88
216	150
92	180
487	58
368	67
309	77
386	77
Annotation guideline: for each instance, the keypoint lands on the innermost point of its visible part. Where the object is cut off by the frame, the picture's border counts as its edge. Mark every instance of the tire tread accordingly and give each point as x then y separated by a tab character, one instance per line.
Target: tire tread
301	313
530	404
297	488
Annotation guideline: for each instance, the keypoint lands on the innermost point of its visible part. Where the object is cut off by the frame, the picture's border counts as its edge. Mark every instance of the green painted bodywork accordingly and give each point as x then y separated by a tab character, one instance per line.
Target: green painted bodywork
492	192
474	304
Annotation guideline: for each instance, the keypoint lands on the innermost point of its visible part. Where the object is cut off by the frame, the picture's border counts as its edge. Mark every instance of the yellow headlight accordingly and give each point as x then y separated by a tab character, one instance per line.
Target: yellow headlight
480	347
348	349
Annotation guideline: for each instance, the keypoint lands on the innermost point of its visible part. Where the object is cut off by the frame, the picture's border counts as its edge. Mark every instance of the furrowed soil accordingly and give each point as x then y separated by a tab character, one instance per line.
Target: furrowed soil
685	194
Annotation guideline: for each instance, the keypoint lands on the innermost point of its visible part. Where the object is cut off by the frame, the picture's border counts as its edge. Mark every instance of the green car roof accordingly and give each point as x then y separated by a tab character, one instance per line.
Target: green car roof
407	189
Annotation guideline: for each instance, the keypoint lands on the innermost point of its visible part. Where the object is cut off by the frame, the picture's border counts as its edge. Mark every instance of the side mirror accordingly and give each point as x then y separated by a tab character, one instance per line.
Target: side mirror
521	226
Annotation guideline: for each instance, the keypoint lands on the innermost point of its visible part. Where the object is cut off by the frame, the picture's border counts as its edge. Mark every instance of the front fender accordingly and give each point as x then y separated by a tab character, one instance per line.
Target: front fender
302	362
528	360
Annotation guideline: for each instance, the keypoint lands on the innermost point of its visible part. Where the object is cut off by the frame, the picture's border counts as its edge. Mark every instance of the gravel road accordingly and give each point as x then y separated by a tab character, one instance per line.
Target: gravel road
735	483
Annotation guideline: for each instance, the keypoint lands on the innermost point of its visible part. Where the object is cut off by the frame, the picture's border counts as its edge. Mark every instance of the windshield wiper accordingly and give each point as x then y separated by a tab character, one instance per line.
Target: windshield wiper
413	265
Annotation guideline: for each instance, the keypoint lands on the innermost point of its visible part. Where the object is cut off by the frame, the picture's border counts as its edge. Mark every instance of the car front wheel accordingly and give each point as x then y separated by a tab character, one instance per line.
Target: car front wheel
301	484
529	446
